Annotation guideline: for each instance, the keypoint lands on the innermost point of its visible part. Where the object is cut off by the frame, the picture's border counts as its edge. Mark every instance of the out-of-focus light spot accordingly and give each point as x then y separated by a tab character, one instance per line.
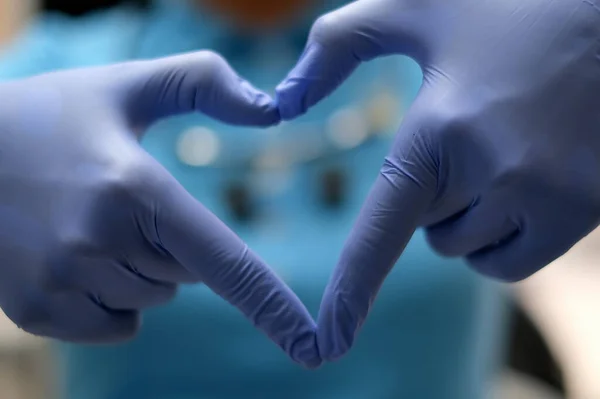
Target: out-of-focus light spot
273	158
274	183
198	146
384	113
347	128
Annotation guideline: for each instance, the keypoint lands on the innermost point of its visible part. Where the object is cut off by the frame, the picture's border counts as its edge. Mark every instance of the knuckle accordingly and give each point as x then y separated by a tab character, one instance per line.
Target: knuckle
463	151
209	59
452	127
329	29
350	29
124	200
207	66
130	182
413	158
120	186
450	119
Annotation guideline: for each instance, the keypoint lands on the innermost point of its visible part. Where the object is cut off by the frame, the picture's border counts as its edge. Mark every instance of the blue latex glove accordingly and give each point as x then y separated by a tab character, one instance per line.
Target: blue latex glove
93	230
499	155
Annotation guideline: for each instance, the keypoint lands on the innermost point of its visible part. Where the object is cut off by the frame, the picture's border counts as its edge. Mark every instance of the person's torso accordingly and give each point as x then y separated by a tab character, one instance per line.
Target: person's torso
436	329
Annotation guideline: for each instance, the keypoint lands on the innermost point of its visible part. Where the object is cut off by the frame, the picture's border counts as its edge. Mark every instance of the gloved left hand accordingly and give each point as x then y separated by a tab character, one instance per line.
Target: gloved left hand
93	230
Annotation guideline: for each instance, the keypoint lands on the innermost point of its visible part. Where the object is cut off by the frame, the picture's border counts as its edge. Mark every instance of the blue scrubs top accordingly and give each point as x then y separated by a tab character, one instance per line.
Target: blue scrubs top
437	329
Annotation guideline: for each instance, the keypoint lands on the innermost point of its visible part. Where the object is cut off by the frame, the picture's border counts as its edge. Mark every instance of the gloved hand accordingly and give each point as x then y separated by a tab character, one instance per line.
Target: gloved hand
498	157
94	231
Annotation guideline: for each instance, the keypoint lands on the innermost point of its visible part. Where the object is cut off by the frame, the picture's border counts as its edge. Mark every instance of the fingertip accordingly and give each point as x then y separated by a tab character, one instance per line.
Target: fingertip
198	82
304	86
337	328
305	350
205	246
279	313
261	109
290	98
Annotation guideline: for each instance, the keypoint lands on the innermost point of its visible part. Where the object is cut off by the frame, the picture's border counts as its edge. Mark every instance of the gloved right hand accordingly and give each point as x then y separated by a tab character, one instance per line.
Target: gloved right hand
498	157
93	230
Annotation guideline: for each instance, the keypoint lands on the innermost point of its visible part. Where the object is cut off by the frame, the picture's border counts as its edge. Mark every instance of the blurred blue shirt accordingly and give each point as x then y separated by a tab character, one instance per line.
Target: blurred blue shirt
437	330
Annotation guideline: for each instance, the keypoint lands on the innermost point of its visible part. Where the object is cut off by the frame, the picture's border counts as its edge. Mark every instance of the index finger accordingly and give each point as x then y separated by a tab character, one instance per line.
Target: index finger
386	223
209	249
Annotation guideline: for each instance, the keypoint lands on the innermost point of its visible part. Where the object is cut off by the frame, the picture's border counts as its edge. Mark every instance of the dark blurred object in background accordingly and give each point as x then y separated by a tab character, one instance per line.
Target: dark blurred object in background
529	353
245	14
259	14
77	8
333	188
239	200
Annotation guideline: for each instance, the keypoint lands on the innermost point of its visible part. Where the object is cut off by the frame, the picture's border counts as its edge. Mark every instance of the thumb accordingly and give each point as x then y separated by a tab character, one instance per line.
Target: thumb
402	194
341	40
195	82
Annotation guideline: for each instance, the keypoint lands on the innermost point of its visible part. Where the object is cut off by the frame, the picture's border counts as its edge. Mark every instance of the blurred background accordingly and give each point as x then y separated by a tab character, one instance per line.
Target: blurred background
438	331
